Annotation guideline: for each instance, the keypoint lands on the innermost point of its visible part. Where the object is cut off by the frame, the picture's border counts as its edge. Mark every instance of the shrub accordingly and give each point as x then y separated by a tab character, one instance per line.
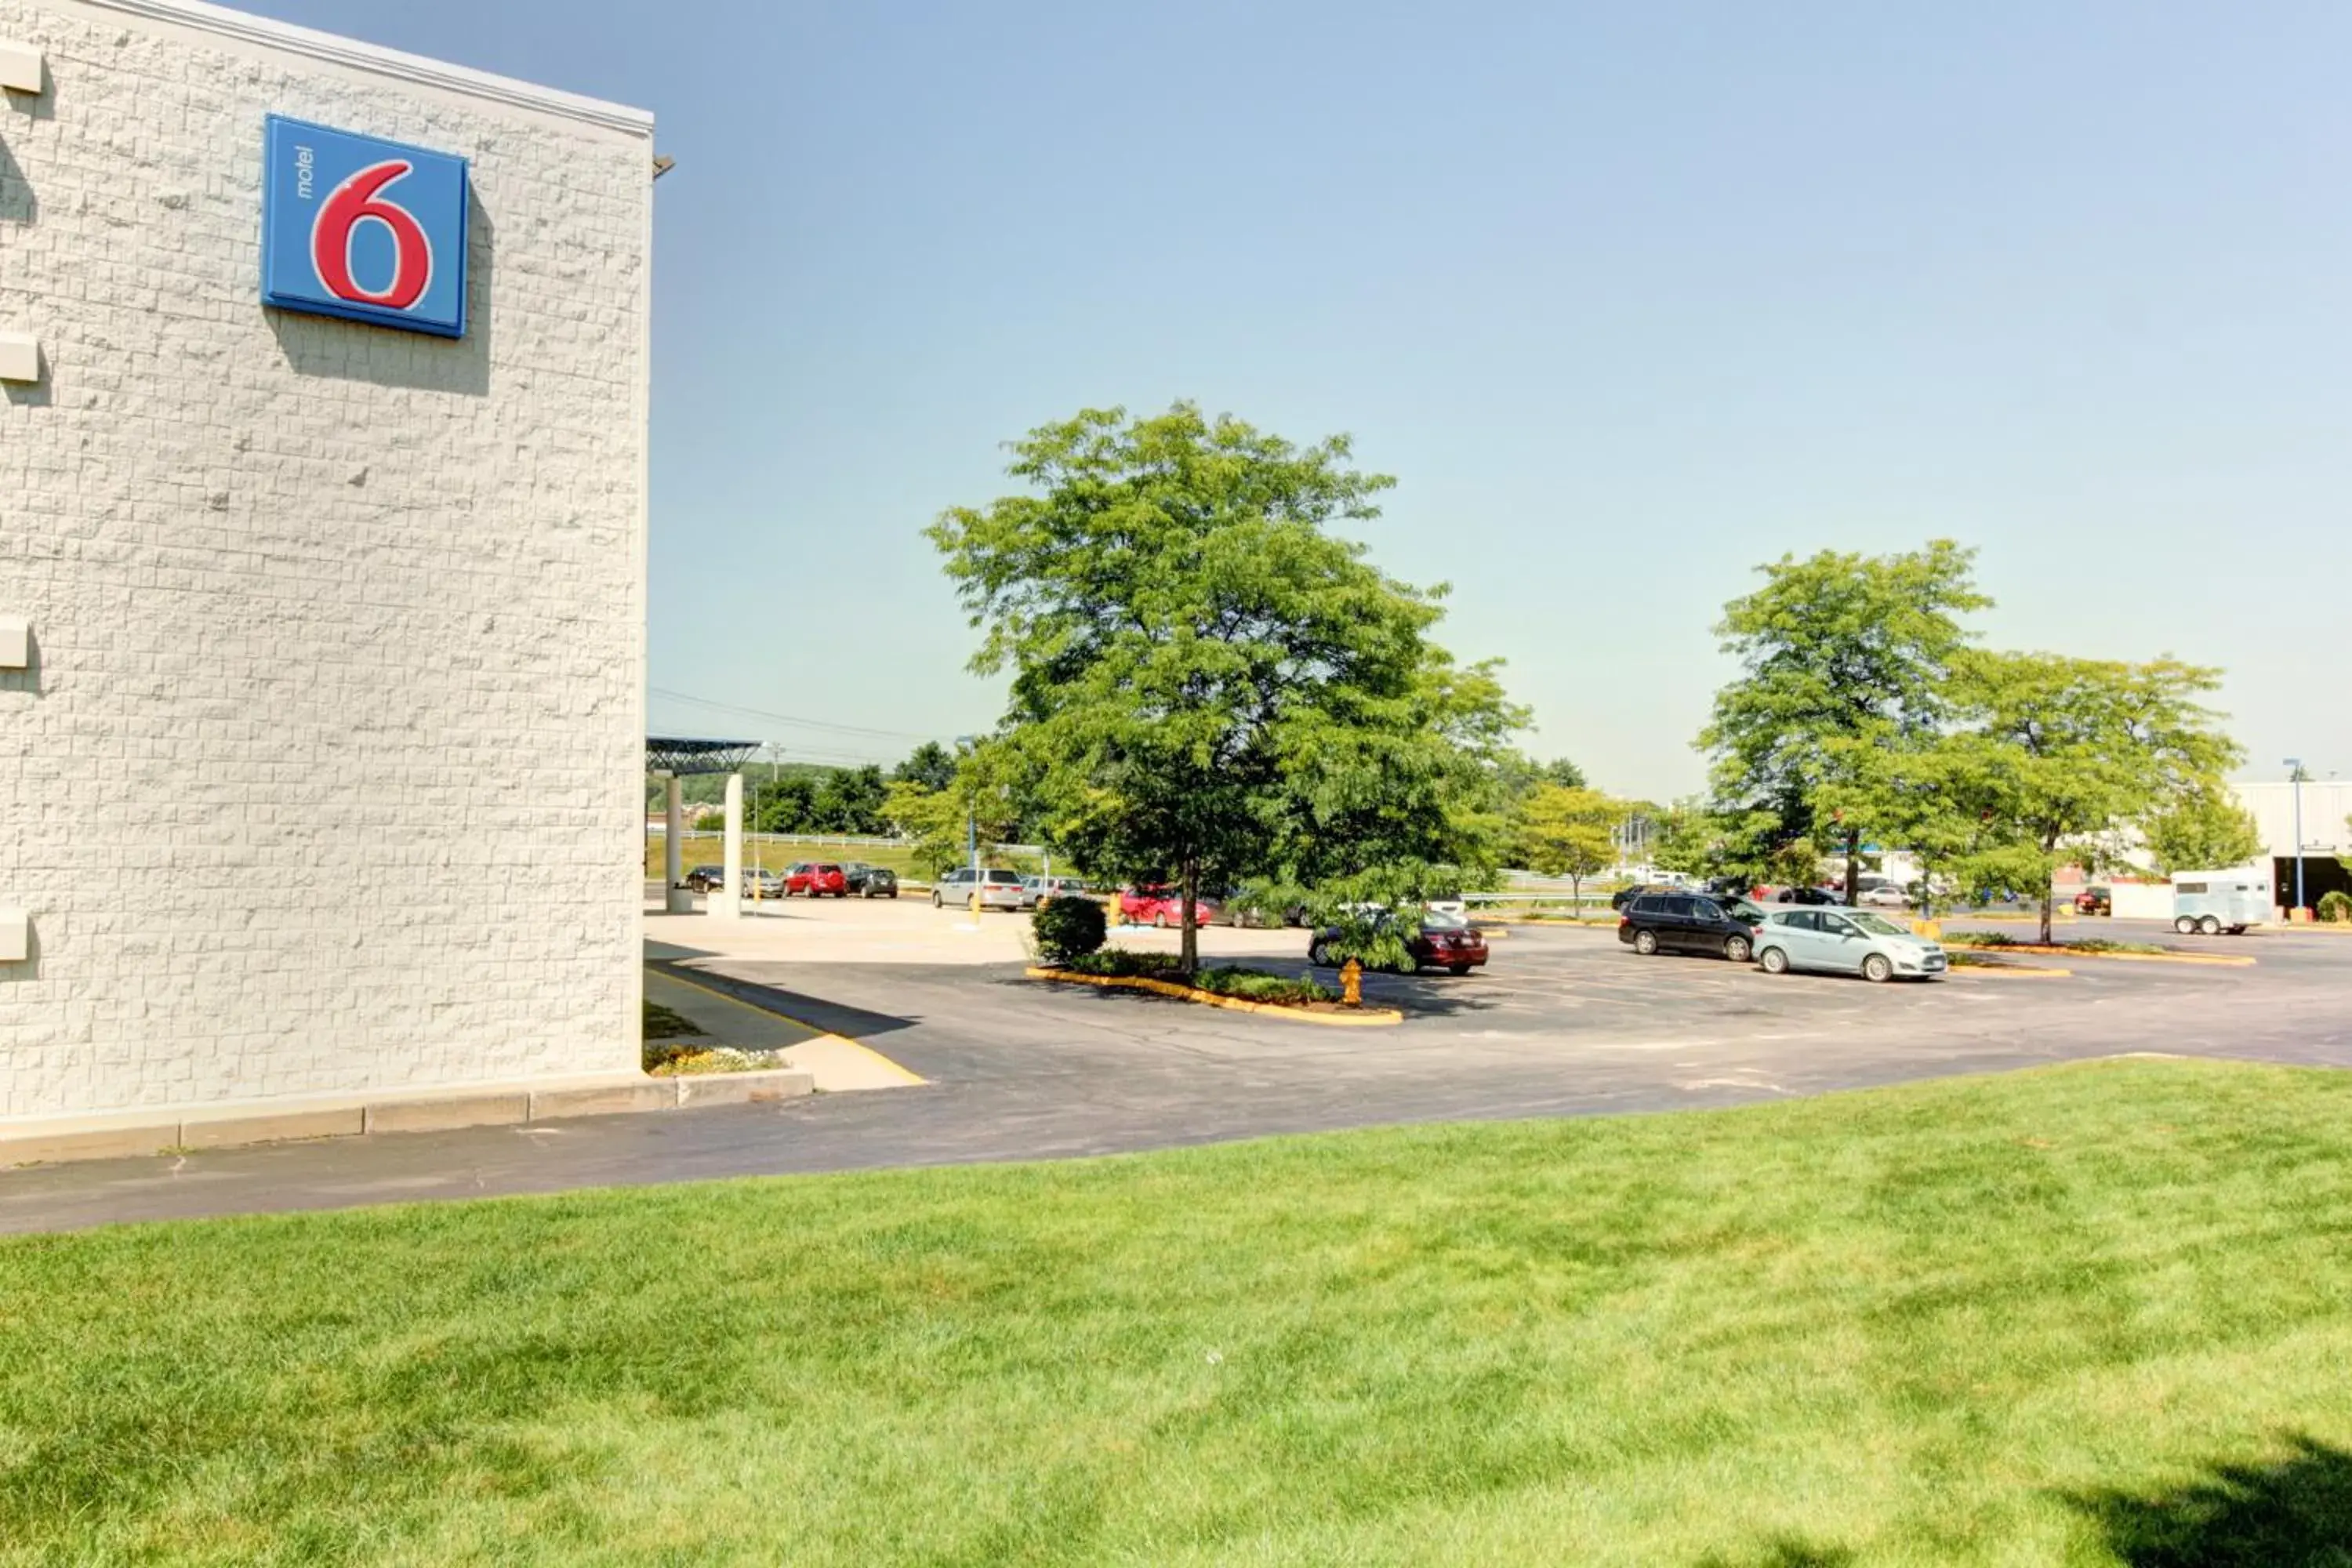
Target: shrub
1257	985
1070	928
2335	906
1120	962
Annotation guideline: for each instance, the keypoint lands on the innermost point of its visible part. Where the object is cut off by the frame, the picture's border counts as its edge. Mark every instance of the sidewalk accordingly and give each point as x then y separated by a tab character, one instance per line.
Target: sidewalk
839	1066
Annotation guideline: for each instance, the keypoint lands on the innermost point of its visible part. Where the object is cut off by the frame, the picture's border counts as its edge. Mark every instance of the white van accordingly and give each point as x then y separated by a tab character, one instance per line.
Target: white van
2211	902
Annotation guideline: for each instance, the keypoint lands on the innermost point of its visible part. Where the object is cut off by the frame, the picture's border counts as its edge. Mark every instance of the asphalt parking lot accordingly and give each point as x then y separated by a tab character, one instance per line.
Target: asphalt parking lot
1565	1021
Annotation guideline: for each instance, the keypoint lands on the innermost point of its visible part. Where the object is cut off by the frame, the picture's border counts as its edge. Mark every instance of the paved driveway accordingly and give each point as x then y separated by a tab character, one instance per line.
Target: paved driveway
1565	1022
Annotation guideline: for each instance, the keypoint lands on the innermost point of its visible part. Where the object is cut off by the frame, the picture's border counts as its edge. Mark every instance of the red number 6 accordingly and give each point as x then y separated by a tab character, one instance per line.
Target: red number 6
352	202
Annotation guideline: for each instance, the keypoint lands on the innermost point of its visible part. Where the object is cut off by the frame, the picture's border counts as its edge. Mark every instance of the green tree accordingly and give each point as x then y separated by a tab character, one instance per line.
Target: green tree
783	803
849	800
2073	750
2202	828
1206	684
1566	832
928	765
1843	655
1686	837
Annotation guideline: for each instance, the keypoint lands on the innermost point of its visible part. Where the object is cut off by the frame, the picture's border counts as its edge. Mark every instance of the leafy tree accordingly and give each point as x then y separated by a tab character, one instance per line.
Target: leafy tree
940	824
2202	828
1843	655
1687	838
849	800
783	803
928	765
1565	832
2075	749
1207	686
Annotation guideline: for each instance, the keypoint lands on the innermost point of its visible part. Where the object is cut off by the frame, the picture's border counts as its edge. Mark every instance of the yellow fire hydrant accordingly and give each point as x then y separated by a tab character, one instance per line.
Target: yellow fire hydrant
1351	984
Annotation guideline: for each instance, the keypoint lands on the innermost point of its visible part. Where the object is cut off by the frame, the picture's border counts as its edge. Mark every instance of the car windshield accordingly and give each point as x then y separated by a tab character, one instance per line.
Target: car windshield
1741	910
1442	920
1877	926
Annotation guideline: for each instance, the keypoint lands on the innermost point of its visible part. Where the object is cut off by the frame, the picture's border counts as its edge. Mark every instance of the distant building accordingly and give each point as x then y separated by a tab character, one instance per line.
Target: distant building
2326	835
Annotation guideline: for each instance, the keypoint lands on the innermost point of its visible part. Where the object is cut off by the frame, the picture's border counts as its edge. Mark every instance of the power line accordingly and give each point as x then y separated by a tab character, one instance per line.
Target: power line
789	719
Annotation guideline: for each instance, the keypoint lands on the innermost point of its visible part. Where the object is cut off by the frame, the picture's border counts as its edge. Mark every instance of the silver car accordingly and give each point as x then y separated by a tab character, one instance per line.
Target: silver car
1846	942
999	888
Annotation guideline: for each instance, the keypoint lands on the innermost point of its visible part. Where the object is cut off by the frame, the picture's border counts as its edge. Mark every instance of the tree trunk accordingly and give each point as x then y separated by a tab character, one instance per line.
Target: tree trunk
1853	868
1189	954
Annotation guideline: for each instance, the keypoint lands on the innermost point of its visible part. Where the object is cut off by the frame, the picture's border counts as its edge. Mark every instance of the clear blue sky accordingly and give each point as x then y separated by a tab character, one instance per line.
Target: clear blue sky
1630	298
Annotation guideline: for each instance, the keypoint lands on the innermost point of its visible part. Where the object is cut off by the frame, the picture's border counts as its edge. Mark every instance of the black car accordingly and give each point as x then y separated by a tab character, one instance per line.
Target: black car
1690	922
867	881
702	879
1820	897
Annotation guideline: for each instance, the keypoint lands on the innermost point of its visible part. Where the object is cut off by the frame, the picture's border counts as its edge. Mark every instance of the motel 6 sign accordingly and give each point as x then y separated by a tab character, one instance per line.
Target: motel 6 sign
369	230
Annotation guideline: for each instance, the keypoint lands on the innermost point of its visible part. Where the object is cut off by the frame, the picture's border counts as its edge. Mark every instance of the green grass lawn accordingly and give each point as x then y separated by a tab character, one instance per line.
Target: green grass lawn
2098	1315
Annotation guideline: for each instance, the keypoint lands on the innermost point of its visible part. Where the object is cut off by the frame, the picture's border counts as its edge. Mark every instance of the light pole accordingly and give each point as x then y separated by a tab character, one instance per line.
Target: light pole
971	830
2295	773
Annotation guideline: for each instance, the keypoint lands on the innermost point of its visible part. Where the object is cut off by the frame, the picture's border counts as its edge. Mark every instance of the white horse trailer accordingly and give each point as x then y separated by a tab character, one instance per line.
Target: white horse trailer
2211	902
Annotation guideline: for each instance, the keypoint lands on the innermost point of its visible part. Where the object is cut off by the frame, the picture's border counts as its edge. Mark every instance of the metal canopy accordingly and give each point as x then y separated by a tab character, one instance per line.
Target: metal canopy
682	758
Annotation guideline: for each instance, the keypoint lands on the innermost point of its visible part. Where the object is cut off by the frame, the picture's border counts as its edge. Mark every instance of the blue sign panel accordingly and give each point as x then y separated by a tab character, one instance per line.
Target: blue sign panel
369	230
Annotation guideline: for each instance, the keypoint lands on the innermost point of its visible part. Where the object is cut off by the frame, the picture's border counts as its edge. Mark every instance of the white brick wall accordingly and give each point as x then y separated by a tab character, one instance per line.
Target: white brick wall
327	776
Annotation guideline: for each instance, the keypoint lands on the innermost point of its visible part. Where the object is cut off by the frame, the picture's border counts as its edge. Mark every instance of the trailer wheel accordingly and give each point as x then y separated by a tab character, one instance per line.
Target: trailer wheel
2185	926
2210	926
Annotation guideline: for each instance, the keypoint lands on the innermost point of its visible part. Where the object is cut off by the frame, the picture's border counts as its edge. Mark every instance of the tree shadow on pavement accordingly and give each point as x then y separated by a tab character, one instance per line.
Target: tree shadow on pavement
815	1012
2288	1511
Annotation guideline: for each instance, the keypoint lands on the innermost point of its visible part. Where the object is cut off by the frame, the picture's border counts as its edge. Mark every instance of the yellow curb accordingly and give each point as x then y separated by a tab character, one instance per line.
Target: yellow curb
875	1059
2228	960
1371	1015
2020	972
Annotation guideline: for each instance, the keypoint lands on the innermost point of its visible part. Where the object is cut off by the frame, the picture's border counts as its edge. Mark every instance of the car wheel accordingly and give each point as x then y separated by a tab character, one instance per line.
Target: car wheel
1736	948
2210	926
1320	956
2185	926
935	900
1160	921
1645	942
1457	969
1774	960
891	894
1877	968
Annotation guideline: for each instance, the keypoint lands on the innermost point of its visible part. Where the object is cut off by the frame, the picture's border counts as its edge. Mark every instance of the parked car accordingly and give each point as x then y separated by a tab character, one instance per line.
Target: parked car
1164	907
1035	890
1441	941
758	882
1846	942
702	879
1690	922
1885	896
2095	900
1818	897
870	882
826	879
796	878
999	888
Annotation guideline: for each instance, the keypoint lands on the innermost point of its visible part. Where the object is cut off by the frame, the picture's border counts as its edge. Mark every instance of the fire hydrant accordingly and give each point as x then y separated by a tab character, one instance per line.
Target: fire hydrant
1351	984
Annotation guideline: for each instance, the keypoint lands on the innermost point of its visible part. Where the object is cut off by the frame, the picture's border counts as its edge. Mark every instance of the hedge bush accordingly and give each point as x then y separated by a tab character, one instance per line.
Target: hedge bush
2334	907
1068	928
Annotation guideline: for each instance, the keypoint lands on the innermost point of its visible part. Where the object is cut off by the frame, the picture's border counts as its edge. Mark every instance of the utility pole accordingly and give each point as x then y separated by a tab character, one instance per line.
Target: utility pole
2294	772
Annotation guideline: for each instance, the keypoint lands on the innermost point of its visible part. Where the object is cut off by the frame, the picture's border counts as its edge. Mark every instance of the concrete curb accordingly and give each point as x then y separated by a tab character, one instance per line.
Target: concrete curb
2021	971
423	1113
1371	1017
2220	960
